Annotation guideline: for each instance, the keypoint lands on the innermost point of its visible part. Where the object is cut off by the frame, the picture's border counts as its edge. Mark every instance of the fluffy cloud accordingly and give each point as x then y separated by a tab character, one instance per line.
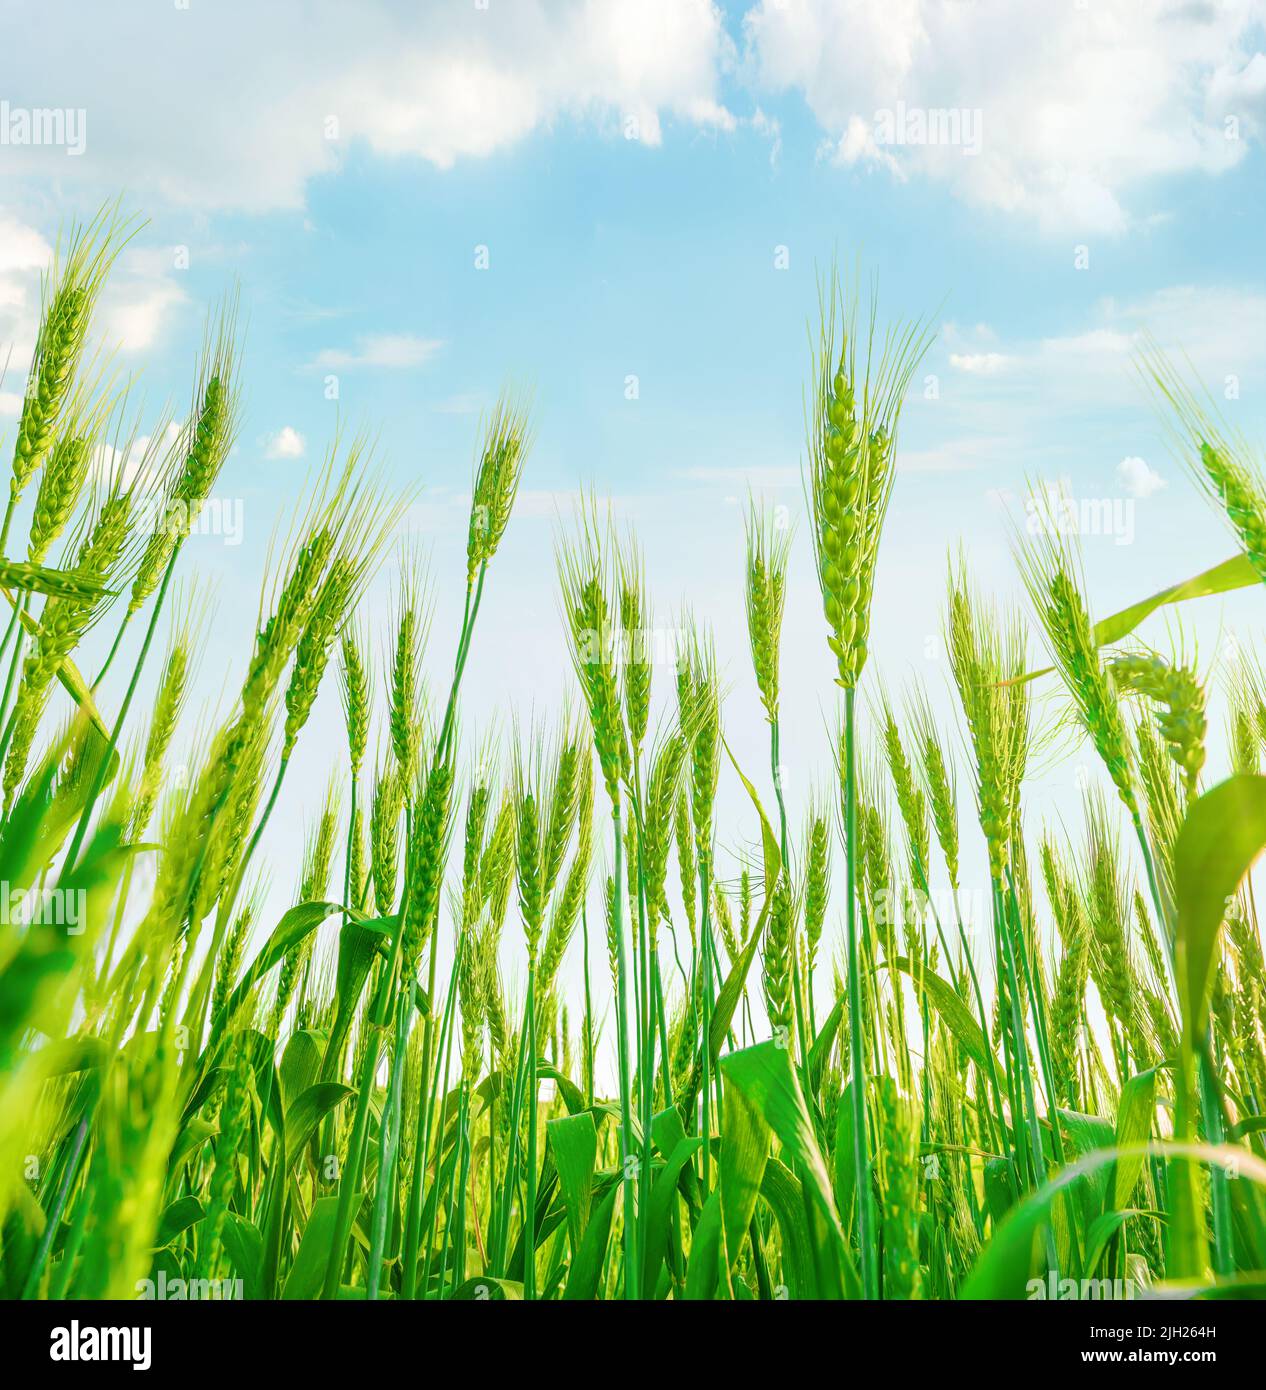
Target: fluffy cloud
140	461
287	443
1058	113
24	254
243	103
134	313
1062	401
982	363
1139	478
1220	331
1055	112
380	350
22	248
134	310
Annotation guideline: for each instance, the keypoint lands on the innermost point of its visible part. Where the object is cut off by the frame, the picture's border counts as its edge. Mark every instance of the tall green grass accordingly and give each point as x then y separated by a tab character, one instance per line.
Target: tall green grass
810	1082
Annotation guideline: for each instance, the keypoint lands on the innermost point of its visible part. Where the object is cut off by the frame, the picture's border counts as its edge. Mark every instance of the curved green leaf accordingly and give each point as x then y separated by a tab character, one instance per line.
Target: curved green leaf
1223	833
177	1217
306	1112
660	1208
295	925
574	1140
768	1080
954	1013
1006	1264
308	1270
703	1267
780	1189
1136	1111
586	1266
1235	573
744	1151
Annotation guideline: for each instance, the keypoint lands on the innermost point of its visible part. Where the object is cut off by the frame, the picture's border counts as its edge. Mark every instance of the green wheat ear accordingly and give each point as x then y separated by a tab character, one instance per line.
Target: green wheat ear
1245	686
986	650
817	877
200	451
569	901
768	554
366	524
71	291
1051	569
427	856
172	692
586	576
1181	719
1068	1001
229	963
859	384
911	801
687	873
384	827
668	762
63	622
354	687
937	773
503	451
68	466
313	650
780	944
636	638
529	798
699	714
1223	464
1107	900
412	622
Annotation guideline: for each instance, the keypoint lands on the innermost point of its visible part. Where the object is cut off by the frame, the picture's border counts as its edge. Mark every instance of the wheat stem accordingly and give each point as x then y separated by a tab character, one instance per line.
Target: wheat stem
857	1066
627	1175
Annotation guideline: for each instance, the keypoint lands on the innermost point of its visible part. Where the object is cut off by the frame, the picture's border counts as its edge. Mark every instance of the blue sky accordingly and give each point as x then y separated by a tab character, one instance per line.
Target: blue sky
1127	134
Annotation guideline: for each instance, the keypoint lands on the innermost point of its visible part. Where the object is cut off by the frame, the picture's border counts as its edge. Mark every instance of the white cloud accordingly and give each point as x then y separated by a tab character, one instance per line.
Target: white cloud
763	477
24	255
21	247
261	88
955	456
10	403
1221	330
287	443
380	350
858	146
984	363
134	312
1139	478
771	128
1077	105
135	307
140	461
1083	383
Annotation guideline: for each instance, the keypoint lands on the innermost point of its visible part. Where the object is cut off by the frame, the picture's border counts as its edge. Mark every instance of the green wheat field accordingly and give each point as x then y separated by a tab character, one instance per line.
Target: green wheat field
810	1081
